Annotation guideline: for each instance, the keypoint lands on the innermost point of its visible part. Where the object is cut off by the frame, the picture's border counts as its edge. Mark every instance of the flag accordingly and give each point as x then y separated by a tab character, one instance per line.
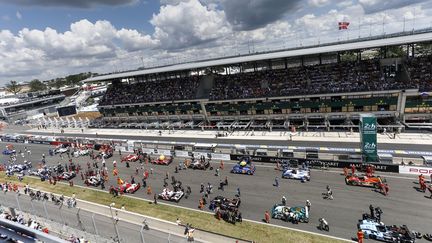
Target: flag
343	25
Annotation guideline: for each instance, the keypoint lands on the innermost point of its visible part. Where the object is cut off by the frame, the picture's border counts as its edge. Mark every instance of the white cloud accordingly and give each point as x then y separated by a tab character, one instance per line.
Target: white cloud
318	3
18	15
191	29
187	24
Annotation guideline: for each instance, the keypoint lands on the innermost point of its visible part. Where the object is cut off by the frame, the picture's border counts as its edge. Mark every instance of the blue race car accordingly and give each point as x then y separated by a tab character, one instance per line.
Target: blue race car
297	174
9	152
244	166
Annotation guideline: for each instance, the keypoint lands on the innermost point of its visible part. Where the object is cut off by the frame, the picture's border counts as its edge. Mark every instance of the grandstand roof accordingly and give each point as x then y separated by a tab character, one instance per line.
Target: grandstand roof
327	48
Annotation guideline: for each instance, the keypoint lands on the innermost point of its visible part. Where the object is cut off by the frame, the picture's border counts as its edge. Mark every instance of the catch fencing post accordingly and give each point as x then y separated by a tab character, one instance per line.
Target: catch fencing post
45	209
142	233
17	200
61	215
94	224
169	237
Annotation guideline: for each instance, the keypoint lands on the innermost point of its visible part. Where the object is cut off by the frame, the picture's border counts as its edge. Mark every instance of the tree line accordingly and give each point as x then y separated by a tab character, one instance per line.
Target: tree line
36	85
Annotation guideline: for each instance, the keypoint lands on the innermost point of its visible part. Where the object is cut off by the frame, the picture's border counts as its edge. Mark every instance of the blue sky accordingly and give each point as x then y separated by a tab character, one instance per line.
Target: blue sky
45	39
134	16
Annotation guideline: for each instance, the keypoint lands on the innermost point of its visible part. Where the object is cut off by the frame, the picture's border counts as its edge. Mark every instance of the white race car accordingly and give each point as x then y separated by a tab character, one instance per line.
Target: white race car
298	174
170	195
81	152
61	150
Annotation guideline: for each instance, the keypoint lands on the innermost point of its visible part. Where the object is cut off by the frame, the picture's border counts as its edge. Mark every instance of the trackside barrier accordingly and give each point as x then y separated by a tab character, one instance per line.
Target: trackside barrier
318	162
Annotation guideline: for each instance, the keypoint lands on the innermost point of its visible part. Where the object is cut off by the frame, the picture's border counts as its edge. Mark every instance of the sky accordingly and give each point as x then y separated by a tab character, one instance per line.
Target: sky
46	39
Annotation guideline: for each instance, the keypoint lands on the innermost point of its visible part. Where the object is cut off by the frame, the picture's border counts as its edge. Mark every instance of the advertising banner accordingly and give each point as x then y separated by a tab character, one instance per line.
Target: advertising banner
148	151
415	170
221	157
182	154
165	152
368	137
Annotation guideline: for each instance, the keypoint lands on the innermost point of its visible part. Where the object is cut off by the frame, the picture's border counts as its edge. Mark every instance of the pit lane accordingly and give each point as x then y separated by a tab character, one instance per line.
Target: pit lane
404	205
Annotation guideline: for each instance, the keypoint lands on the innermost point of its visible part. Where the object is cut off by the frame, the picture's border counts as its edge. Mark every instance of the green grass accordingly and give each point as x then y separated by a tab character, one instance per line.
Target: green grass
244	230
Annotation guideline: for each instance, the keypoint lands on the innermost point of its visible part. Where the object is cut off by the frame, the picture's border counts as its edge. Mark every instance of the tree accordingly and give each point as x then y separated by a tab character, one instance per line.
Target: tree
36	85
13	87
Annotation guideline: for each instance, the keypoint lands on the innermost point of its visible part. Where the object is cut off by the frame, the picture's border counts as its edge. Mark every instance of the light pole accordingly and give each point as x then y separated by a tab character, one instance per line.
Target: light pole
114	220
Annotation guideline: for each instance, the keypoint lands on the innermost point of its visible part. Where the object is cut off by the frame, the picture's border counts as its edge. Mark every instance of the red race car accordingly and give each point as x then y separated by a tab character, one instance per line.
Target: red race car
130	158
128	187
162	160
355	180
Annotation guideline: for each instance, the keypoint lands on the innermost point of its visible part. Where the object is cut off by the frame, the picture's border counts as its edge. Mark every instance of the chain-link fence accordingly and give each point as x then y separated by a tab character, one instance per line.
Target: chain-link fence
67	221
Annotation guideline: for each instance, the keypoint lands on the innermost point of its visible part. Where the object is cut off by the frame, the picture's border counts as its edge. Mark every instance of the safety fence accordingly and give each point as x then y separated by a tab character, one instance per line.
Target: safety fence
65	221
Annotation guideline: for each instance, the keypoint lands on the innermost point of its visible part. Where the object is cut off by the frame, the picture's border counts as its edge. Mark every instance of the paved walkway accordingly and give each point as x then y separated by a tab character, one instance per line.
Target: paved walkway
403	138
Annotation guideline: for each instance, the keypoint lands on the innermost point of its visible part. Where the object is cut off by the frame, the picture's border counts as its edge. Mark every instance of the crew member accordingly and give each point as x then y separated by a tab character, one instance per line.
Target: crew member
360	236
353	169
267	217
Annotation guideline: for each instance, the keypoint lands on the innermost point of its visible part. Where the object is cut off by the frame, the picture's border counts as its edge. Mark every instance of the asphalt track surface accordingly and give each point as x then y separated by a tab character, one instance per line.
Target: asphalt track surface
82	220
403	205
382	146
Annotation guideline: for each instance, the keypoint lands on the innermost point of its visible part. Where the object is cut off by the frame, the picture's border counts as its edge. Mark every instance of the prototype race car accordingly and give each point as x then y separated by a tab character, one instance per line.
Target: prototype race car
81	152
93	181
128	187
66	176
20	167
294	214
41	173
298	174
200	165
170	195
162	160
378	231
225	203
355	180
9	151
244	167
130	158
61	150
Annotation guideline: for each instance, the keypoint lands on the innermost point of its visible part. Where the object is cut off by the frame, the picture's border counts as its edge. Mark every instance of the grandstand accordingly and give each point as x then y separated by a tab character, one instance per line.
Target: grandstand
23	106
320	87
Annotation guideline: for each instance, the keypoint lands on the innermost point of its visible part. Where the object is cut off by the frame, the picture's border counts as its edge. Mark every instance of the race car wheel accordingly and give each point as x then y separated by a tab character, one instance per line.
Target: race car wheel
373	237
346	181
249	172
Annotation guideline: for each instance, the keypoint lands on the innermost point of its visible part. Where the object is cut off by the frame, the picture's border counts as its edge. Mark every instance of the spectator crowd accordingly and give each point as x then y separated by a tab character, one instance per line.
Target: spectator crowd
342	77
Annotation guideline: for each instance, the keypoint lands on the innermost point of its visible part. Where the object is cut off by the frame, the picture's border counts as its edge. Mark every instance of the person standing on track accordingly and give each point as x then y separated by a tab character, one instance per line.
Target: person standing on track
360	236
267	217
276	182
353	169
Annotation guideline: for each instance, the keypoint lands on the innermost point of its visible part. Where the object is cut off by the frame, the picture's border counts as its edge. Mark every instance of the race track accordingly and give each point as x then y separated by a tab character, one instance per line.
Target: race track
404	205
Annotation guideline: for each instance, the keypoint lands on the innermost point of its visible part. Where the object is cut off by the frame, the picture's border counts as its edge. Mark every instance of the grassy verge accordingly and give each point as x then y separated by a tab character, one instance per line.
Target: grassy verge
244	230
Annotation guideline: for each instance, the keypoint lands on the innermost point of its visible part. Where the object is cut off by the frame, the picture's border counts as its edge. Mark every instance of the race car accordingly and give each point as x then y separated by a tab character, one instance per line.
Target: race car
41	173
244	167
298	174
19	168
130	158
379	231
66	176
200	165
93	181
60	150
355	180
81	152
225	203
290	214
9	151
128	187
170	195
162	160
